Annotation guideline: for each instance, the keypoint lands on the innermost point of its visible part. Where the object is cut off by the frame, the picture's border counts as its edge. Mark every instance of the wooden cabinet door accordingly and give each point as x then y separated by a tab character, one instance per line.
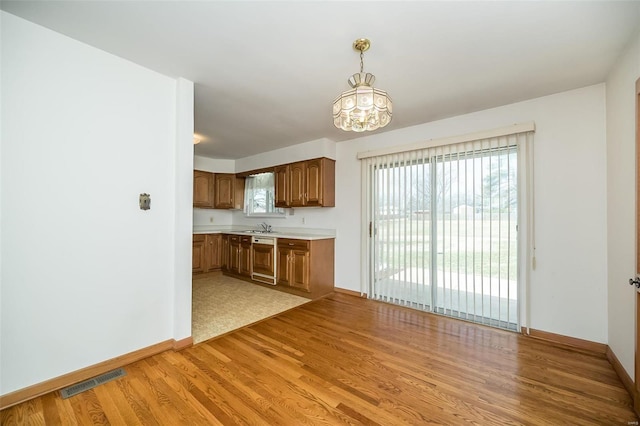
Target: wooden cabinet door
313	183
224	191
238	193
197	254
245	256
297	184
213	252
229	191
281	186
224	250
234	254
299	269
202	189
284	266
263	259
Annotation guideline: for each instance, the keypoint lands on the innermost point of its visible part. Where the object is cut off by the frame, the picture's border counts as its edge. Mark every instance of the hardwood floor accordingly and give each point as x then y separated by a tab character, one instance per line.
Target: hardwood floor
346	360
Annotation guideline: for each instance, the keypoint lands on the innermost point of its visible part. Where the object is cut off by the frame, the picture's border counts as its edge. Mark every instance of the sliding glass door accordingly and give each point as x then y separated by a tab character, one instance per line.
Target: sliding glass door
443	230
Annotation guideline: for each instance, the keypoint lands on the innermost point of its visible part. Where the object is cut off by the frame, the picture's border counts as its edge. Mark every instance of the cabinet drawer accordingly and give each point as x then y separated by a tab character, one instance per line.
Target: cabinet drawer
198	237
234	238
294	244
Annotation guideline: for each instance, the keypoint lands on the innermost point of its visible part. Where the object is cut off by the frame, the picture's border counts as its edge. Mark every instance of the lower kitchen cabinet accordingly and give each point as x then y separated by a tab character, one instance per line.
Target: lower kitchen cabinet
245	256
224	258
306	265
213	251
197	254
233	263
207	253
302	267
293	263
239	255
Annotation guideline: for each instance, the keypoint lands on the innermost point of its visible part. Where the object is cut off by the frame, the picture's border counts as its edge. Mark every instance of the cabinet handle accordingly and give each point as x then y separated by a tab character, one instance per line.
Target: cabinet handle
292	244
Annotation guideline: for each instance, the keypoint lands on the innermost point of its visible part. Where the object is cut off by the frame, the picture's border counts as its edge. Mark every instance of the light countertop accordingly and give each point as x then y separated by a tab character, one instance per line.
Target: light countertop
298	234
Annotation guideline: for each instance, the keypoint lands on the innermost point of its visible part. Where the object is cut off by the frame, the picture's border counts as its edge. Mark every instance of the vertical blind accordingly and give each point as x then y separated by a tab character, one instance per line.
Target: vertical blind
443	225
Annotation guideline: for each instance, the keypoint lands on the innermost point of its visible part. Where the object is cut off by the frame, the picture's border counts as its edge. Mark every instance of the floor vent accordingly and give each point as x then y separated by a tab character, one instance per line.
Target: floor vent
92	383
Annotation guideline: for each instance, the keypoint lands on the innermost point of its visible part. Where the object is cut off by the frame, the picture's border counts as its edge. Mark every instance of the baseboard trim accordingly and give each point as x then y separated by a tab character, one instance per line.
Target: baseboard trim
181	344
349	292
588	345
69	379
620	371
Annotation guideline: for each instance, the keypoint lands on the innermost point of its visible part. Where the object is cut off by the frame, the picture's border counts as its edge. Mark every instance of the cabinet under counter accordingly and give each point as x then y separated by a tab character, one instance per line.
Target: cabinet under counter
304	267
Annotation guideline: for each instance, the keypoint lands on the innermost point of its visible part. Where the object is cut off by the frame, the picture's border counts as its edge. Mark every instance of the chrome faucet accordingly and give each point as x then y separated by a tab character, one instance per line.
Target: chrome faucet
265	227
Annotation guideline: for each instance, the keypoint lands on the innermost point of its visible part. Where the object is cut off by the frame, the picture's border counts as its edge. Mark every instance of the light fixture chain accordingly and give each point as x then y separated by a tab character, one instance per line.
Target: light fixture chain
361	60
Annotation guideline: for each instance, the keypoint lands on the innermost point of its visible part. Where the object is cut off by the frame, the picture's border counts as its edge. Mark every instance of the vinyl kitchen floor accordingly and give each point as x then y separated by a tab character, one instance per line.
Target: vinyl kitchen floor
221	304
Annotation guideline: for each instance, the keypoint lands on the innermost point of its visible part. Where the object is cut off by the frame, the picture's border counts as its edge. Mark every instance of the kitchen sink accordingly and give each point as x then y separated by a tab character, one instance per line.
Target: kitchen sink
257	231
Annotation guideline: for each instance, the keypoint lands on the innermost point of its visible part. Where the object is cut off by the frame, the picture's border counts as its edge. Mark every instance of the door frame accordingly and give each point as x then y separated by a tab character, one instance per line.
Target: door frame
636	393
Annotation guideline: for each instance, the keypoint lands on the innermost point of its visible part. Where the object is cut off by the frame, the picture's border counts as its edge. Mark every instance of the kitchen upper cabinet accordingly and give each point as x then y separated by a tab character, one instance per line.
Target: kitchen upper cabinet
203	189
320	182
229	191
308	183
297	188
306	265
281	183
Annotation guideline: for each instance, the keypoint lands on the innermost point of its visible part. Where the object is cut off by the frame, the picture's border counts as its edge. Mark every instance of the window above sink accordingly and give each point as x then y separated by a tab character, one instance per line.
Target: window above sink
259	196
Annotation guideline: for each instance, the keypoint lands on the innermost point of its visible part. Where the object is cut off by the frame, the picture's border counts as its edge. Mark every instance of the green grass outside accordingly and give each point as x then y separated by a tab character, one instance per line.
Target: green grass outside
490	246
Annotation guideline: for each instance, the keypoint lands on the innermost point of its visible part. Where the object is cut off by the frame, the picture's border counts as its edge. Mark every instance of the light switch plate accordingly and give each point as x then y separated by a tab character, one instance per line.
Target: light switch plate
145	201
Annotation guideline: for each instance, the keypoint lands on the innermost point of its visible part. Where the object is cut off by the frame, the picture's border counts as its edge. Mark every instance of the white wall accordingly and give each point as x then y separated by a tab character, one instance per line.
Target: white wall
568	288
621	197
214	165
86	275
183	217
302	151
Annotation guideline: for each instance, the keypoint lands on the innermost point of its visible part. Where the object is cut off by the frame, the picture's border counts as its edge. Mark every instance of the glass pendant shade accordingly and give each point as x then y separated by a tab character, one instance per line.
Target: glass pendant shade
363	108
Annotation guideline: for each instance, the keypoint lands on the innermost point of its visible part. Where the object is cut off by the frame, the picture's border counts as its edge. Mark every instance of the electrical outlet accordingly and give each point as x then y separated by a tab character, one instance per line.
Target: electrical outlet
303	220
211	219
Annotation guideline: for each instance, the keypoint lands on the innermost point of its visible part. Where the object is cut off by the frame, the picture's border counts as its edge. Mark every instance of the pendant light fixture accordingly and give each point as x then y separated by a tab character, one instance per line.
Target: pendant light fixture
363	108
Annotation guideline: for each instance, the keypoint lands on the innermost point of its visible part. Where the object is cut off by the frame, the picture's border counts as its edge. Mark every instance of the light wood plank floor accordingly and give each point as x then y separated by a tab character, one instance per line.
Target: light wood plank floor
346	360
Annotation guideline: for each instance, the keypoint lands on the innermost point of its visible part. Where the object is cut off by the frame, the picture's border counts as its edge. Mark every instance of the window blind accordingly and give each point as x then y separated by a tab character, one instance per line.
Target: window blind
443	225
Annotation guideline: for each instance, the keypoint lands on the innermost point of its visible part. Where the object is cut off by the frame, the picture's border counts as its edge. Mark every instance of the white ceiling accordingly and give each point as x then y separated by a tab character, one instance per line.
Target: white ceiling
266	73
